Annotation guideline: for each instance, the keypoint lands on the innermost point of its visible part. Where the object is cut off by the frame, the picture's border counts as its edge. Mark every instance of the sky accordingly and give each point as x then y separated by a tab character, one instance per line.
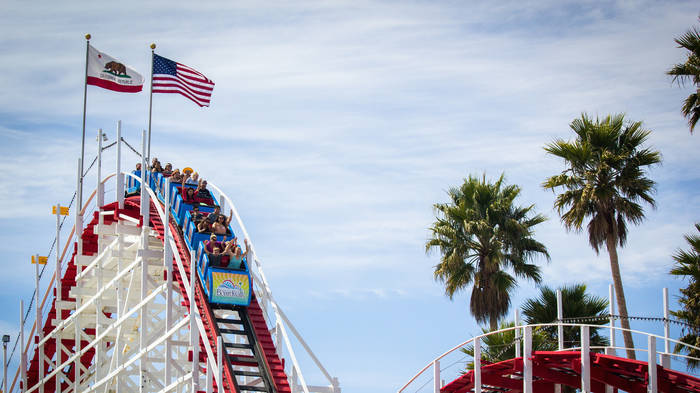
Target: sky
336	125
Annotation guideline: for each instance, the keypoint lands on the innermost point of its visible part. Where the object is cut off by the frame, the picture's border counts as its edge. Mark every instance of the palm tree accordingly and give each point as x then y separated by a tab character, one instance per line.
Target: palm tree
689	72
481	234
603	181
498	347
576	303
688	266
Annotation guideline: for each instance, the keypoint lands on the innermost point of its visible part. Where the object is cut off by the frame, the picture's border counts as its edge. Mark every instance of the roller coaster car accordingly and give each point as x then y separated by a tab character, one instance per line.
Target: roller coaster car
221	285
224	285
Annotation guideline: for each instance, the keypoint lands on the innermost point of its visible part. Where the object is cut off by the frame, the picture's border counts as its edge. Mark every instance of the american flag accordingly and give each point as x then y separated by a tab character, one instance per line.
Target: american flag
172	77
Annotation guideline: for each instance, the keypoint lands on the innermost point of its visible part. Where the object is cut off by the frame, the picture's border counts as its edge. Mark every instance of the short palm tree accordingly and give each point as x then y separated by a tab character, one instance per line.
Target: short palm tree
603	182
500	346
689	71
687	266
482	236
576	303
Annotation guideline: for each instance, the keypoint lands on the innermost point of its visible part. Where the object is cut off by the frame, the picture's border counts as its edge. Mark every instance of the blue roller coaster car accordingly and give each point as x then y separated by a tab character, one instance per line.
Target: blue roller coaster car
222	285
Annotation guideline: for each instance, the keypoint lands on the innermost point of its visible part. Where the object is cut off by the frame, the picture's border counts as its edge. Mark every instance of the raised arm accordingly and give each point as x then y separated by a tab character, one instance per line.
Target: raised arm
247	248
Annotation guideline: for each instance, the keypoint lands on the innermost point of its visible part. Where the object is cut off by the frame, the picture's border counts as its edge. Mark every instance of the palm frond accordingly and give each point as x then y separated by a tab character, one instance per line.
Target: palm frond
480	234
689	72
605	176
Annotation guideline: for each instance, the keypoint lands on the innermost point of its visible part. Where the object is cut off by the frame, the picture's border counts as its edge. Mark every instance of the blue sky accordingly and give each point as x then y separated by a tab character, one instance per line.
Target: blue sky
335	126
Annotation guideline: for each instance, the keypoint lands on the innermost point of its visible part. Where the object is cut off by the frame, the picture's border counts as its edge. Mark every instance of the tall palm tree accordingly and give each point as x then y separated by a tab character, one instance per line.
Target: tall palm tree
576	303
603	182
688	266
689	71
482	235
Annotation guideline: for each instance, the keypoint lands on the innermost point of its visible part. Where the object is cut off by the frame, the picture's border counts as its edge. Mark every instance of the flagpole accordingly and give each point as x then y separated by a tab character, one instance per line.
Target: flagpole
82	148
150	106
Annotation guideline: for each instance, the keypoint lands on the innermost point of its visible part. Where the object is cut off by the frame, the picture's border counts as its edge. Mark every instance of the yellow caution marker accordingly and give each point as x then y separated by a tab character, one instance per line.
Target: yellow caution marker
42	260
64	210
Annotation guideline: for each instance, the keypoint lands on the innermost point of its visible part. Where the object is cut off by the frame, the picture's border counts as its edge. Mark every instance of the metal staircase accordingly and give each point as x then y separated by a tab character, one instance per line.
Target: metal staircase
242	349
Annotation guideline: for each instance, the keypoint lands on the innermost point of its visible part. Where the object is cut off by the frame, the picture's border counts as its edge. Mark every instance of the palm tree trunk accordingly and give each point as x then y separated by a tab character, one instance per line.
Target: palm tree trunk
620	295
493	321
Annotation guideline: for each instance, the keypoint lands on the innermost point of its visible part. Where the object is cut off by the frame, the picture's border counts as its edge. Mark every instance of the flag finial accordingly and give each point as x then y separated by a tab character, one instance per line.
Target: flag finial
87	36
153	46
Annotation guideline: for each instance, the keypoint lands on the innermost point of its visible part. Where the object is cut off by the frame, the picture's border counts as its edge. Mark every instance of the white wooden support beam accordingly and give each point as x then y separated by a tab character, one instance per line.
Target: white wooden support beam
58	302
652	382
527	360
293	383
665	358
477	365
560	320
100	347
219	363
38	323
518	344
78	343
278	336
436	376
585	360
560	330
118	285
210	376
611	311
143	329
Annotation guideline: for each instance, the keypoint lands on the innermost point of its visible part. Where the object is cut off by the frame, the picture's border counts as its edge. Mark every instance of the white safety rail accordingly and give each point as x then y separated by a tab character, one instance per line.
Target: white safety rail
452	363
143	336
280	326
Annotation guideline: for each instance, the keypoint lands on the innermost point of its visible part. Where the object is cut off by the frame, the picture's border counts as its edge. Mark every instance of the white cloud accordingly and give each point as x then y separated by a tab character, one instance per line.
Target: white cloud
336	126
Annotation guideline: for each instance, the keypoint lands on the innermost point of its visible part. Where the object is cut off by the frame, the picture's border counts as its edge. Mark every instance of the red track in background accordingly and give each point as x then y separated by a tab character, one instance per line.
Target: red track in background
551	368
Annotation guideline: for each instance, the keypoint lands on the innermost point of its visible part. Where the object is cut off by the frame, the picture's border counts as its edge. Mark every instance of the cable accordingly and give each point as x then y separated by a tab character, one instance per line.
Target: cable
608	316
130	147
31	301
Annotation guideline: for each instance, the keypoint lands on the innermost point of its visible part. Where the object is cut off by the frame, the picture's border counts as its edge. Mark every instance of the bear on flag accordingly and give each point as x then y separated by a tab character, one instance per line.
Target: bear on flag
107	72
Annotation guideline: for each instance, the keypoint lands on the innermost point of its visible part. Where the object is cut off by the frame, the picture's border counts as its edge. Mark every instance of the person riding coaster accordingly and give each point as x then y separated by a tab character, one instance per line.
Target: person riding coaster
220	264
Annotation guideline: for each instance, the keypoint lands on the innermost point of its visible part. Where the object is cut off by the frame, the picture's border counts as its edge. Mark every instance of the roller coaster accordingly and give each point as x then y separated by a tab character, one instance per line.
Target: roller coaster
138	306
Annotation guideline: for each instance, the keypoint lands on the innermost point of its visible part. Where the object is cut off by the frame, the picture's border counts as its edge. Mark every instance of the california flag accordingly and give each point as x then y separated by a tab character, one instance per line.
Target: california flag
107	72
